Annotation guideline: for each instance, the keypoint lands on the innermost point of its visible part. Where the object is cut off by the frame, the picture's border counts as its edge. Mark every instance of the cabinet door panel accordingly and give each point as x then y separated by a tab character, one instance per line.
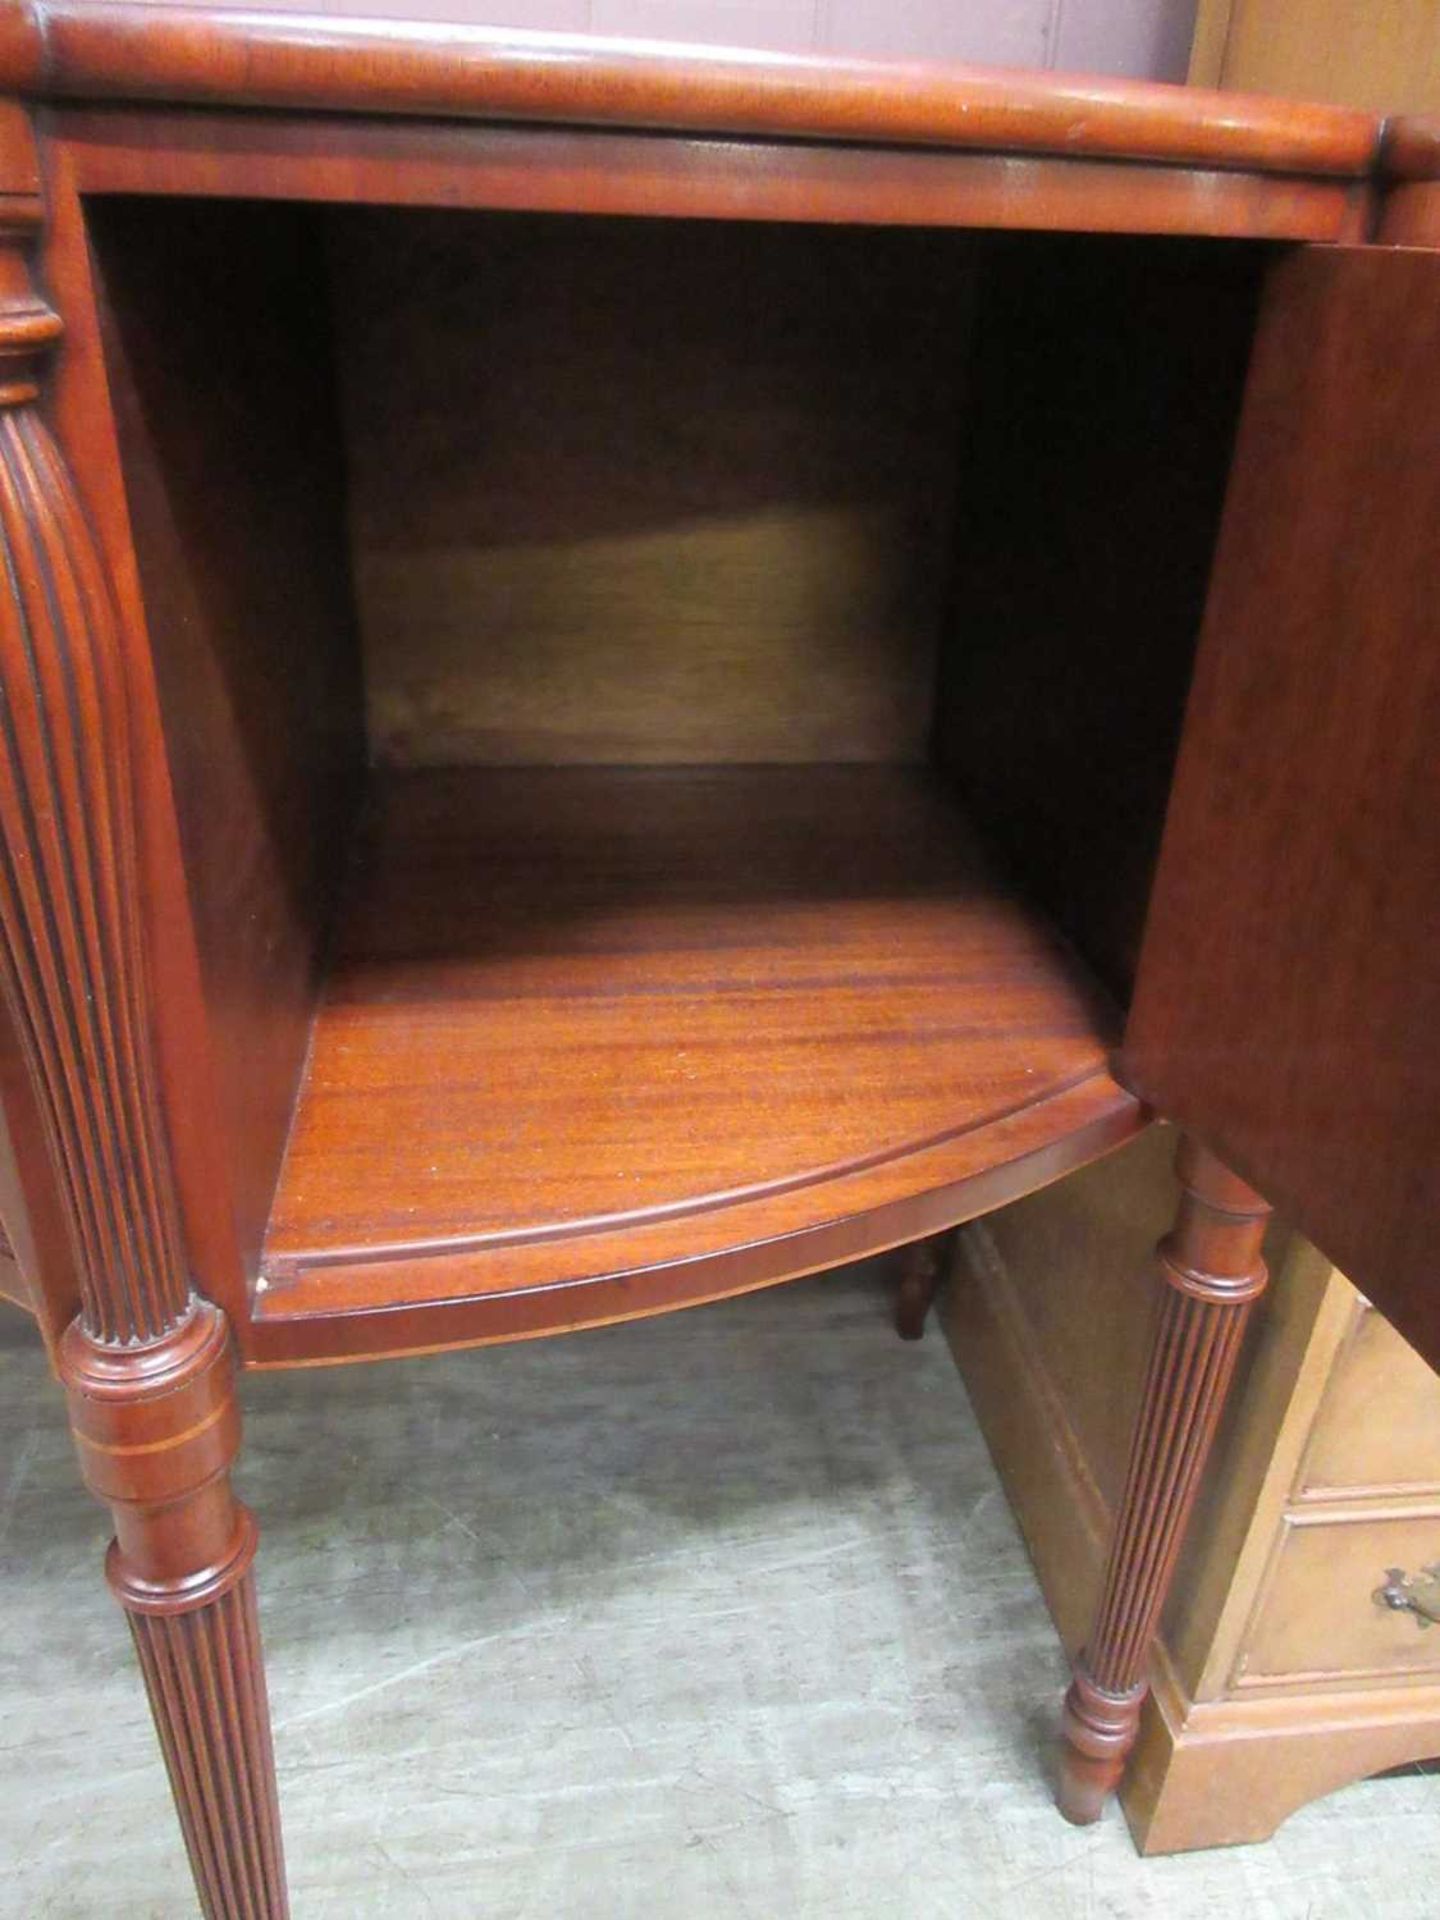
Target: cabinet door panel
1287	1007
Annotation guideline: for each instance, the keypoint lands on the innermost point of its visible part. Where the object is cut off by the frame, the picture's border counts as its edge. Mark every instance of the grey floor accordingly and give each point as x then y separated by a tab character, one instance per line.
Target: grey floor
719	1615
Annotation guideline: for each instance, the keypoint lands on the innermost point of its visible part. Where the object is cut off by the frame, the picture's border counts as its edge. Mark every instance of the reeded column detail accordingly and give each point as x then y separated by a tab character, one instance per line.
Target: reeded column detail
147	1366
157	1429
72	953
1212	1265
205	1667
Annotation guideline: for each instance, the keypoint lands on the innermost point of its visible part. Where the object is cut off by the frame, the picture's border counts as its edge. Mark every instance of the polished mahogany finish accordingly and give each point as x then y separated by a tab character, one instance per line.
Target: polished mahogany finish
1082	558
147	1365
414	113
739	1024
1296	893
593	1042
447	163
1409	213
157	1430
1213	1272
77	403
74	967
96	49
1410	148
237	522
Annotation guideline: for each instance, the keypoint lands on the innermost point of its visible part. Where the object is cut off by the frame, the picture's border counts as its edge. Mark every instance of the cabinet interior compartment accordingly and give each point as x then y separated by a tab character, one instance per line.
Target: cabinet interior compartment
670	720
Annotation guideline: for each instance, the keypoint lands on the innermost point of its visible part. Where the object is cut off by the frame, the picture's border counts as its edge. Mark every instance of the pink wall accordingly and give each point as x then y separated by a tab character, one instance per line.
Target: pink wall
1147	39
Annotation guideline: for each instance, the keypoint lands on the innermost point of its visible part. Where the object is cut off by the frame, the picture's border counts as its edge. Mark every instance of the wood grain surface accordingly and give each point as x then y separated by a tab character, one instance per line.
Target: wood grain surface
1213	1269
448	163
78	405
72	955
1288	999
147	1365
1410	162
407	64
598	1043
706	523
1101	398
215	335
1411	148
156	1429
583	1021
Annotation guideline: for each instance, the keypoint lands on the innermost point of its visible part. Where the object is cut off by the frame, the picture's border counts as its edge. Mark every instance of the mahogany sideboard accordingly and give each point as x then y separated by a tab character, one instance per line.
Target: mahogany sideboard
628	673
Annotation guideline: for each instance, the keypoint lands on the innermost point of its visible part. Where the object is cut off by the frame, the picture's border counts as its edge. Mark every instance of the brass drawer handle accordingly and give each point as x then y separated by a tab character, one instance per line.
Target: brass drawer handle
1417	1593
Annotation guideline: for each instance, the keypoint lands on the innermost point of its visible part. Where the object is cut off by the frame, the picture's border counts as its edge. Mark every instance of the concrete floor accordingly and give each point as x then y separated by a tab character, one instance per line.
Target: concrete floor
719	1615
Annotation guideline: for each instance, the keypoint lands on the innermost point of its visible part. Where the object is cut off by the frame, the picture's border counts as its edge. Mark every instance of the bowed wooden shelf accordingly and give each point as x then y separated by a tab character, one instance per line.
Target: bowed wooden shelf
595	1042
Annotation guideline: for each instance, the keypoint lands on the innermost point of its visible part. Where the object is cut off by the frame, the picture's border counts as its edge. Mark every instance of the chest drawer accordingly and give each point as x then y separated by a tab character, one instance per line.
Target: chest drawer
1318	1617
1378	1427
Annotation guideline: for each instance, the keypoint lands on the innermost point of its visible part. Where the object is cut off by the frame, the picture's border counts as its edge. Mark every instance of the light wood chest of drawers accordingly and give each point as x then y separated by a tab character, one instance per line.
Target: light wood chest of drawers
1281	1676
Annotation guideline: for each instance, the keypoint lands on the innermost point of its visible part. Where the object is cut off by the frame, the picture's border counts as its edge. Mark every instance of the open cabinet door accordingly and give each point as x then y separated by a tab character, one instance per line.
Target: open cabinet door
1287	1008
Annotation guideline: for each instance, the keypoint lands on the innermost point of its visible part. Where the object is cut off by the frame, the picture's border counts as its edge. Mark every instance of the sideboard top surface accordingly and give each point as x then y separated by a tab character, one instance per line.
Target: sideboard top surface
277	56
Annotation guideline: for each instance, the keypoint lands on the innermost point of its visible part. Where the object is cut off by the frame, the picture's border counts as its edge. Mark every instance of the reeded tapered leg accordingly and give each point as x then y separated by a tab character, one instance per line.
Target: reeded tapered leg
922	1270
157	1430
1213	1272
147	1364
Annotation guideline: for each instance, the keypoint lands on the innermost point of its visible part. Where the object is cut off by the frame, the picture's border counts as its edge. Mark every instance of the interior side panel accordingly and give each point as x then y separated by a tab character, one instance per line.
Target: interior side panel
1101	407
217	347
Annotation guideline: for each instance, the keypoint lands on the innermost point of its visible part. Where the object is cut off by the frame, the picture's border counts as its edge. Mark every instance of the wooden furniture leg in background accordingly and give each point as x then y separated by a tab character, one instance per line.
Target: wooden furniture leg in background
147	1364
1213	1271
922	1270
